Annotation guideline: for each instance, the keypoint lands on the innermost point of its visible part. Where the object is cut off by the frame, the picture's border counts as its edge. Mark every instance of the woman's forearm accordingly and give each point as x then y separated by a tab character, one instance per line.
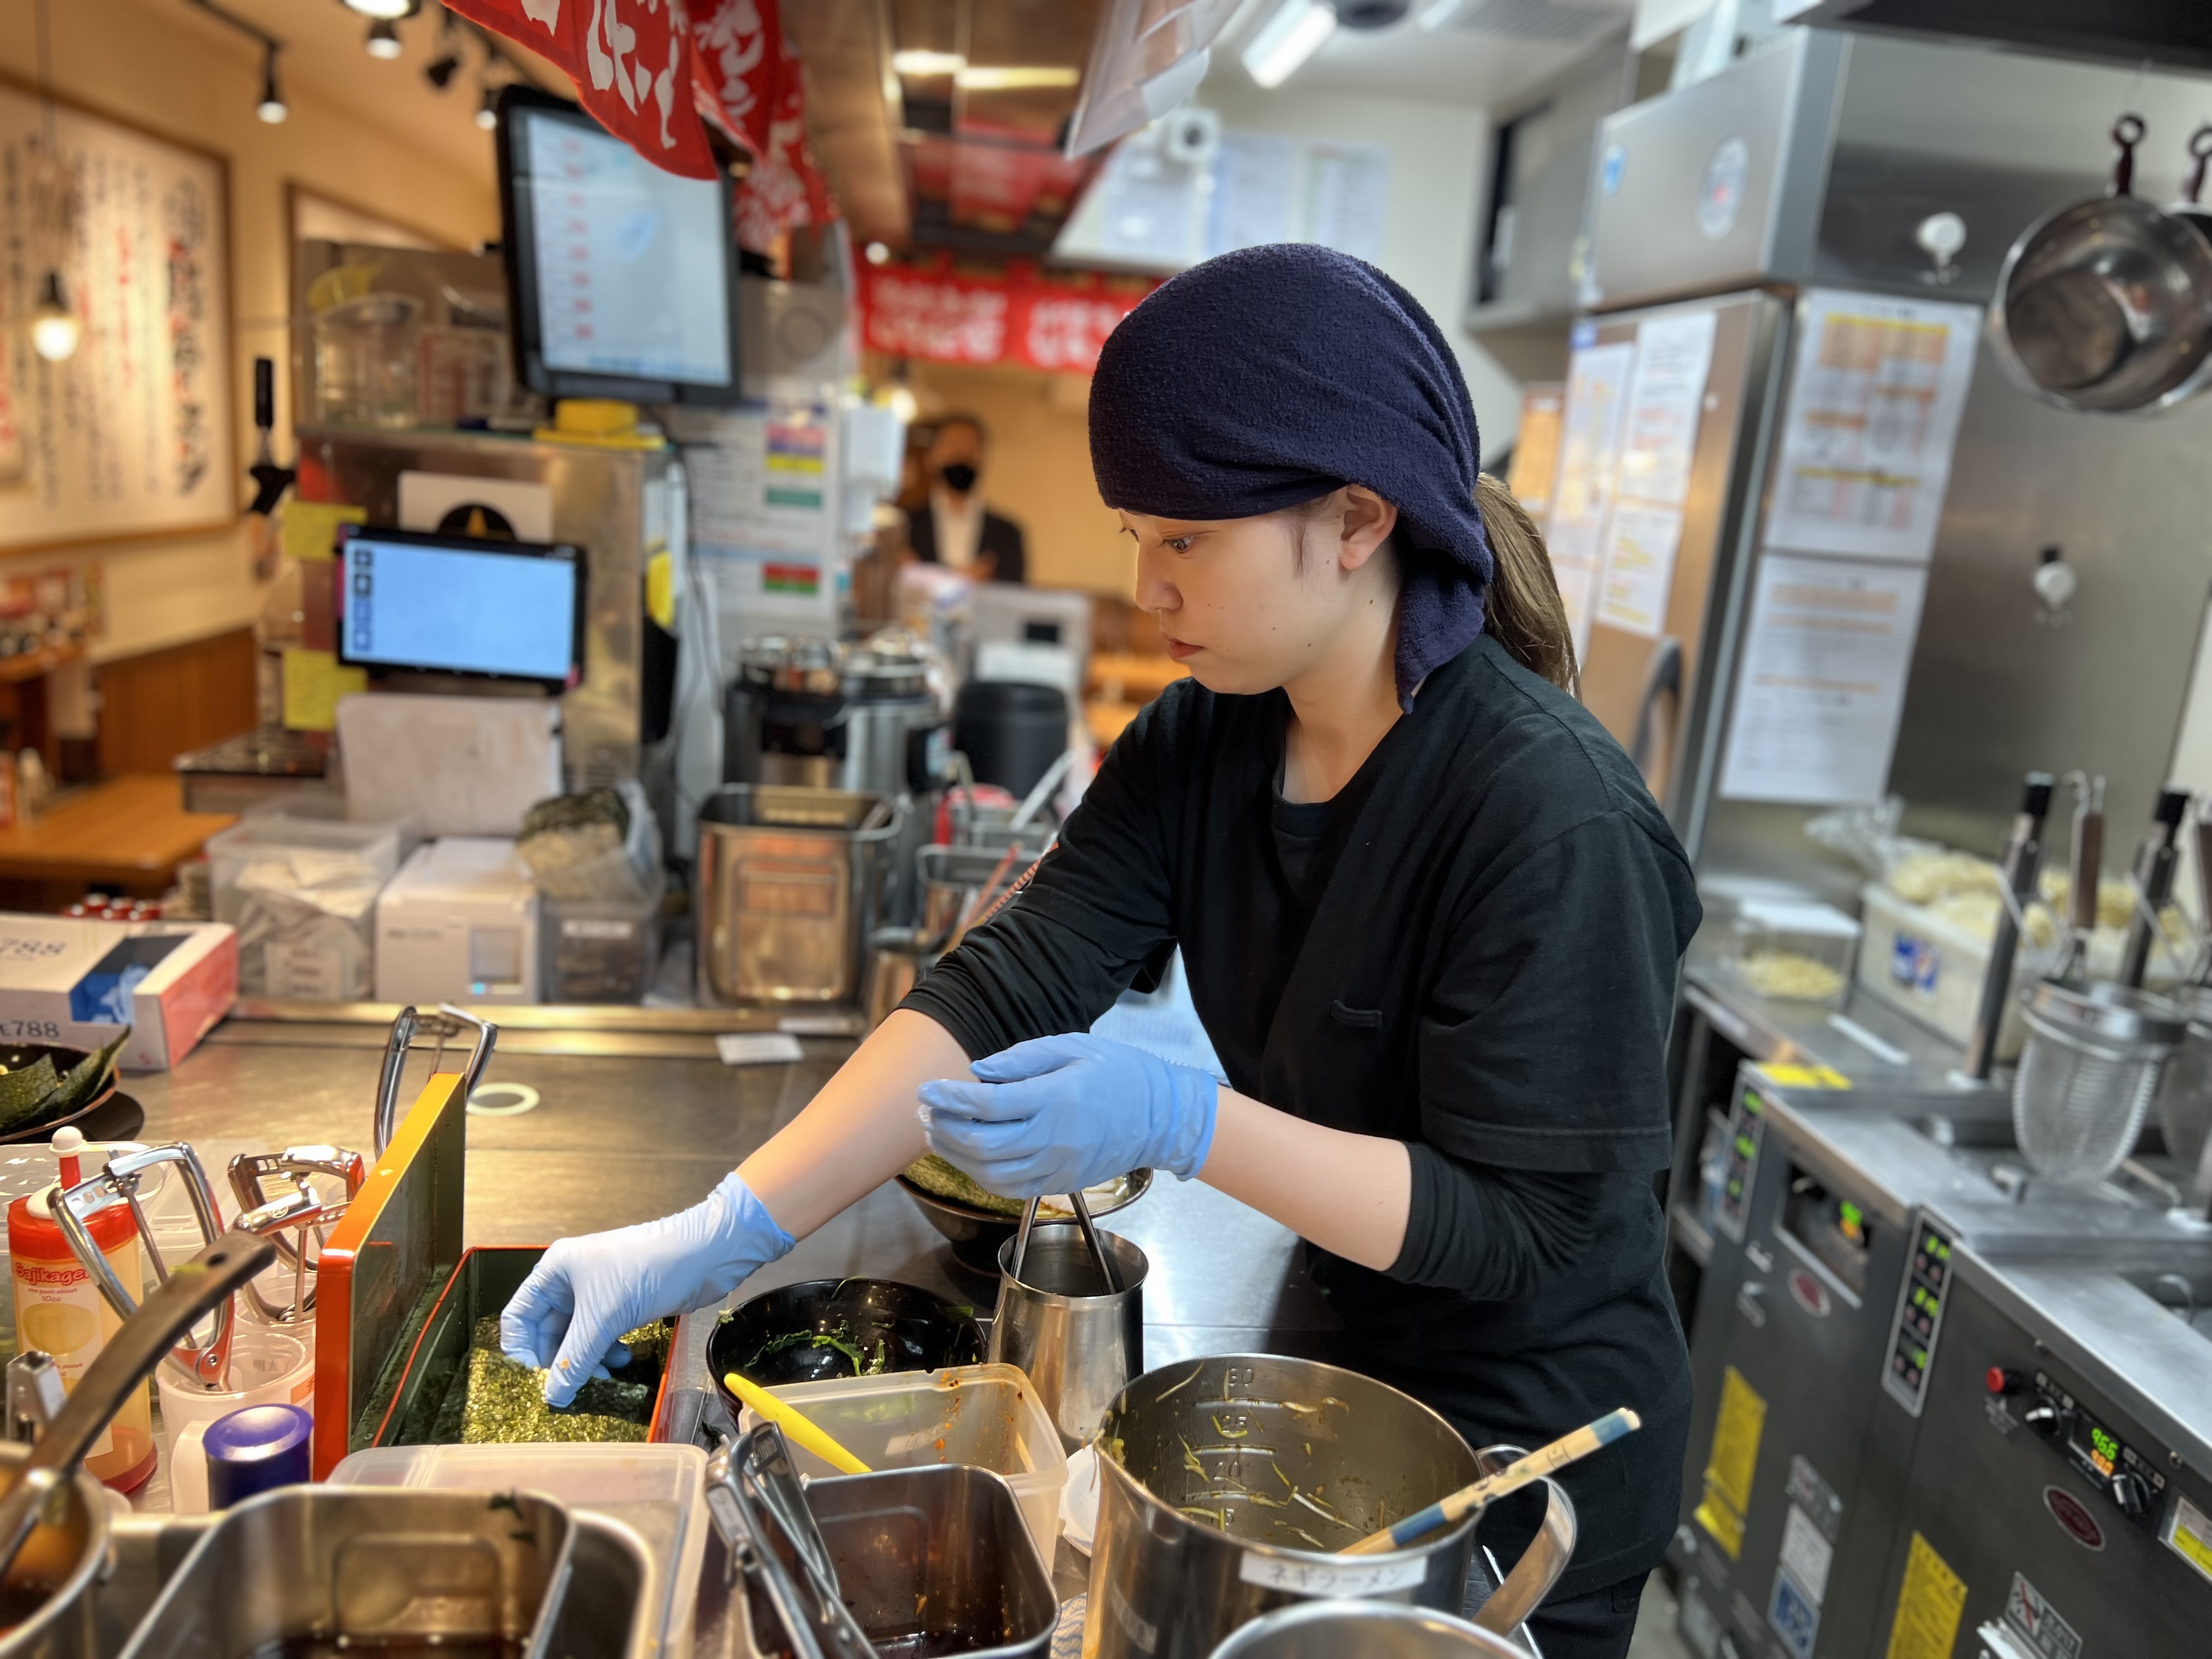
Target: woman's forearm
860	1131
1349	1194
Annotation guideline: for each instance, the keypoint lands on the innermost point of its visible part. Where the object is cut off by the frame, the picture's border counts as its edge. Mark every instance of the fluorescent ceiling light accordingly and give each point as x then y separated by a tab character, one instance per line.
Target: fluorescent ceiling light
927	63
390	11
1438	13
977	78
1286	39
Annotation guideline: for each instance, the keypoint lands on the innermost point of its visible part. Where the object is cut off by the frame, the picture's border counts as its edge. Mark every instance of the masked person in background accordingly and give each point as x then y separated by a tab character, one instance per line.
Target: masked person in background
957	530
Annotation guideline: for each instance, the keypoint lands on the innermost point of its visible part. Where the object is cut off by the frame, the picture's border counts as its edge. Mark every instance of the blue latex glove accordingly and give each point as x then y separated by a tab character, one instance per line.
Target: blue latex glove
1061	1113
586	1292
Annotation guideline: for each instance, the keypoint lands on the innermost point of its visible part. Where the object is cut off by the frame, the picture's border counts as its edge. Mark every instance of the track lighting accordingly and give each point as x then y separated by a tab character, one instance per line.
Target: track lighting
383	41
389	11
55	329
271	108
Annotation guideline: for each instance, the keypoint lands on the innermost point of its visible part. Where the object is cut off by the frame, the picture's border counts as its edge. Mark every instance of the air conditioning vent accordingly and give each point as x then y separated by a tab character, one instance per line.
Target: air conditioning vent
1548	22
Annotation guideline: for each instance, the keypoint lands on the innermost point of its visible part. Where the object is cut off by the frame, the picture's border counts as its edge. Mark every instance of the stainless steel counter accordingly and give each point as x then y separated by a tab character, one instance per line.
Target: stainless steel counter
613	1141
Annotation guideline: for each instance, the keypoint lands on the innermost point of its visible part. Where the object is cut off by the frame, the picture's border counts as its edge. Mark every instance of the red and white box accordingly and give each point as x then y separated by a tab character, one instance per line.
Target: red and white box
66	980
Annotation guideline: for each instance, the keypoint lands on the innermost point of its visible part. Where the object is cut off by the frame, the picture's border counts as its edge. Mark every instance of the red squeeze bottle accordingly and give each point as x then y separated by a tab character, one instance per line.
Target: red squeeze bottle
60	1309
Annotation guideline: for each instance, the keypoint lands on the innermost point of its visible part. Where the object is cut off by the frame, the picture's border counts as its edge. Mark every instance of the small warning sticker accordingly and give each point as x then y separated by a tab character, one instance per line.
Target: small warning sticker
1929	1604
1736	1431
2189	1535
1796	1617
2036	1619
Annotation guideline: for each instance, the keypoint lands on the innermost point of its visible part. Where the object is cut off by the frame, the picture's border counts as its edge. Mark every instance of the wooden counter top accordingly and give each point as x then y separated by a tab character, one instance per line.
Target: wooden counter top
131	830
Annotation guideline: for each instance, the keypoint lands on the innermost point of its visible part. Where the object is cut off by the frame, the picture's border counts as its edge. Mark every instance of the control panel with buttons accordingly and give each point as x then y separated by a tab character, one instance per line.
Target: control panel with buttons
2135	1484
1920	1316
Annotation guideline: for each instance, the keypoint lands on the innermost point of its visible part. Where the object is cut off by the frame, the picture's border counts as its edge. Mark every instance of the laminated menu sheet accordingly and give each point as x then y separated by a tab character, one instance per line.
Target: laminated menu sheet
1590	440
1822	686
1875	396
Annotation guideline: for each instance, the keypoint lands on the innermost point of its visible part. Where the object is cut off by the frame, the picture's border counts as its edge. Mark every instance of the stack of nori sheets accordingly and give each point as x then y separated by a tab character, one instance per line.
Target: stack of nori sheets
494	1401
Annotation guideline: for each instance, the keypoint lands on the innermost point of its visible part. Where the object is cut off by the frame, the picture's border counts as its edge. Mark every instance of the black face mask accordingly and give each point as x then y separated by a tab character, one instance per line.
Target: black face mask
959	476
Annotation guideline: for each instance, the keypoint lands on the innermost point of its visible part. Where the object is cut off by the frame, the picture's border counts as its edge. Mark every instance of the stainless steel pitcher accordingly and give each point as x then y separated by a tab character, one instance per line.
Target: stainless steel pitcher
1078	1342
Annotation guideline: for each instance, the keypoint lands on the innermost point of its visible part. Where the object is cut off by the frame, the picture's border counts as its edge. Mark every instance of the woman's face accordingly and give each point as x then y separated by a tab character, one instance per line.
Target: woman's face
1250	604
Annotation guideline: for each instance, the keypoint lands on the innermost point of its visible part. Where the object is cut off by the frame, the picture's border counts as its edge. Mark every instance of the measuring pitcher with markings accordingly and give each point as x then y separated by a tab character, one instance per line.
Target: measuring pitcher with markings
1228	1484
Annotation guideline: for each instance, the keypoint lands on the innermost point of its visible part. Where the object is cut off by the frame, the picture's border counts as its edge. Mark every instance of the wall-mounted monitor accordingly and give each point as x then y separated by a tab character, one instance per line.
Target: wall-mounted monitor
449	604
622	278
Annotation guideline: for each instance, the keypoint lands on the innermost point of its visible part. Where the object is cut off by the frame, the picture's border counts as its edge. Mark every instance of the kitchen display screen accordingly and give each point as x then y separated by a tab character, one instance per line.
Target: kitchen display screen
449	607
631	264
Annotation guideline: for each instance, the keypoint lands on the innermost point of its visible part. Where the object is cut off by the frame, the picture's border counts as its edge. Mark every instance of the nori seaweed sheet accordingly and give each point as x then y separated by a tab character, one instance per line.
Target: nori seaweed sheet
494	1401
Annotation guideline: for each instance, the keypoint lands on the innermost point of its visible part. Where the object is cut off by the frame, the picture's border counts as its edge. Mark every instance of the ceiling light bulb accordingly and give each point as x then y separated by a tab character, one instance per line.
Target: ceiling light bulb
488	110
390	10
383	41
55	329
877	254
1293	34
902	401
271	108
927	63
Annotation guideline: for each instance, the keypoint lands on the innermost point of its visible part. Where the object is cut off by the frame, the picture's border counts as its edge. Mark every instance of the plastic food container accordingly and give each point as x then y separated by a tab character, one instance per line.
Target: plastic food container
1792	950
987	1415
601	950
658	1491
302	894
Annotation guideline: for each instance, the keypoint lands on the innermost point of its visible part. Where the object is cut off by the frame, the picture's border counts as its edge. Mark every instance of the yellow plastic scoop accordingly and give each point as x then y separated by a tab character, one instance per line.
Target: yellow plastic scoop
798	1428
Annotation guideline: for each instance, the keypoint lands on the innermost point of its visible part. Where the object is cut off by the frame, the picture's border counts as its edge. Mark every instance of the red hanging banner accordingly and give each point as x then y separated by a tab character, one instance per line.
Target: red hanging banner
631	63
1018	318
745	79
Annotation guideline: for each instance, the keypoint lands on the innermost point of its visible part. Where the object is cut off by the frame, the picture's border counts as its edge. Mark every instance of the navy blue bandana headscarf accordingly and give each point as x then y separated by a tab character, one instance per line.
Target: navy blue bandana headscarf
1268	377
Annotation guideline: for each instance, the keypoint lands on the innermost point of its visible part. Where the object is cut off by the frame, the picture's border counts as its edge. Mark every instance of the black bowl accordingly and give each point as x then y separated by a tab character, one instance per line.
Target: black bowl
910	1329
41	1125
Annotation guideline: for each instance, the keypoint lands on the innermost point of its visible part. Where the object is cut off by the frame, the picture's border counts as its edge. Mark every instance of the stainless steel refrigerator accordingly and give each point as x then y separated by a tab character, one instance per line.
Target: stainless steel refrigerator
1814	172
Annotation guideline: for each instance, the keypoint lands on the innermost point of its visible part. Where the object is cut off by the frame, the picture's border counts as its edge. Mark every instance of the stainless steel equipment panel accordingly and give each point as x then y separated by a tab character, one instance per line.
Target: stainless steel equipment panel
1718	186
1658	696
2049	1512
619	506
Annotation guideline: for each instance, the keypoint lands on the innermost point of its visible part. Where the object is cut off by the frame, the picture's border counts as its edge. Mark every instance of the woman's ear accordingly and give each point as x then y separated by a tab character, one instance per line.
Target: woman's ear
1366	525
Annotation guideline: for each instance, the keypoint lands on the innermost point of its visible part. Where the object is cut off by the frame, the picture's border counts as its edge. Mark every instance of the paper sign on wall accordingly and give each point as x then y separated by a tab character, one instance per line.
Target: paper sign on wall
1822	686
1652	479
1874	401
1597	385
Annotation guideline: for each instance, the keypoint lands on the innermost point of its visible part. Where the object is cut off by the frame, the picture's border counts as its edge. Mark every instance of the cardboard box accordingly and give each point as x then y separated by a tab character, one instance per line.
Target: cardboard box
68	980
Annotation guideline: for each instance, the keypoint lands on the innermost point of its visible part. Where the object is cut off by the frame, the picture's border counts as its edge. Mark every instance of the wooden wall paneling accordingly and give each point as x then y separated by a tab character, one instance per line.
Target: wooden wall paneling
155	706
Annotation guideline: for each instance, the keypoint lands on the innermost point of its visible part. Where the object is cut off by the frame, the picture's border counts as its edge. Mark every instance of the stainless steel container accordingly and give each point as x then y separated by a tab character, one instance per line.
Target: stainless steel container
814	712
2184	1089
1227	1484
788	881
1078	1342
1371	1630
348	1566
49	1594
938	1559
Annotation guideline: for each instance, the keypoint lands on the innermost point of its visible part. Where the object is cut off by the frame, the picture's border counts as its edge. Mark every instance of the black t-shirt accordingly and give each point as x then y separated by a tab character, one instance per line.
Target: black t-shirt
1477	958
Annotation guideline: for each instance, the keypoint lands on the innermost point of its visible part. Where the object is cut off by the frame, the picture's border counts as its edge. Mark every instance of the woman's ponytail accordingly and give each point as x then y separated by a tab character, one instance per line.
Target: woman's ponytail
1521	607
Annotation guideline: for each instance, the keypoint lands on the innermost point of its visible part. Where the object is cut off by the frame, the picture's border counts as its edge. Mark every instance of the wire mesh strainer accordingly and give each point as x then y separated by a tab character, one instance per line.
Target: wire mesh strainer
2086	1076
2184	1089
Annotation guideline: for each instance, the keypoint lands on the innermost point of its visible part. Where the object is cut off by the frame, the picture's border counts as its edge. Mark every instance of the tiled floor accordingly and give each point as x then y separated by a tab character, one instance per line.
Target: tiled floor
1656	1636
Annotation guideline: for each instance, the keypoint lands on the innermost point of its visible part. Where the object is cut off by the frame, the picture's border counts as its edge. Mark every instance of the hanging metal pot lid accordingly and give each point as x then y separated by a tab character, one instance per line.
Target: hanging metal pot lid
2105	306
2110	1014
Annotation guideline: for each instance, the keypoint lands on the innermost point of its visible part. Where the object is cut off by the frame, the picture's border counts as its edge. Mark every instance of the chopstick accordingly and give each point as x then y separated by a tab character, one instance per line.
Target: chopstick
1568	1448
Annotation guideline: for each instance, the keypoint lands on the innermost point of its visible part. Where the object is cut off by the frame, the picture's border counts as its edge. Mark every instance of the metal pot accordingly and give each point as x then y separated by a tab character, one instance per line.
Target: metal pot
63	1563
1372	1629
788	884
1273	1448
2105	306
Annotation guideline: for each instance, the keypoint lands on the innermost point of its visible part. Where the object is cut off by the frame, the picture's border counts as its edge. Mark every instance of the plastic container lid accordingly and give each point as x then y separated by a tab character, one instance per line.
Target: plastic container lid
256	1450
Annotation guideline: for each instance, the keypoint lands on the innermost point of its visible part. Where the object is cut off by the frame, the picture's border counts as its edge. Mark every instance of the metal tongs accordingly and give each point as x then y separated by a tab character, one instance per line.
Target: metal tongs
447	1023
1097	1247
758	1505
205	1366
302	1212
